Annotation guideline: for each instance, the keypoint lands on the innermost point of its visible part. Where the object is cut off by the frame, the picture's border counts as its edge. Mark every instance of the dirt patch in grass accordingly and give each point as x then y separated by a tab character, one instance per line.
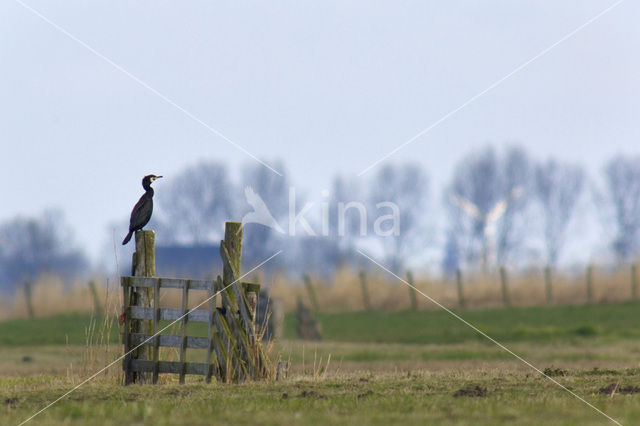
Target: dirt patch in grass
11	402
365	394
473	391
614	388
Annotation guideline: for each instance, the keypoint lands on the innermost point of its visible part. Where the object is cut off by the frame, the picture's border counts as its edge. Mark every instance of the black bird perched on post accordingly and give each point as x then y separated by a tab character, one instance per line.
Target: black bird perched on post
141	212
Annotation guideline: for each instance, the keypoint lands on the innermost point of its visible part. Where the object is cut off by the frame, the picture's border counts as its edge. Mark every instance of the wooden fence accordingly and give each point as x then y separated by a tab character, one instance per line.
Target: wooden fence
503	289
233	348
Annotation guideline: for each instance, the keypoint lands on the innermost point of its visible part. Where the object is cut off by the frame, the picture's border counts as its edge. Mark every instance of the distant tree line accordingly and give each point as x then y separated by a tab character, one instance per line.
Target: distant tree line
498	204
30	246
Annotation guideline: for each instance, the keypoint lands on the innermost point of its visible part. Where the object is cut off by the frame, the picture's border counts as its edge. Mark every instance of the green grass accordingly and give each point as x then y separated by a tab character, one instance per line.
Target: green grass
56	330
504	324
400	398
386	368
414	327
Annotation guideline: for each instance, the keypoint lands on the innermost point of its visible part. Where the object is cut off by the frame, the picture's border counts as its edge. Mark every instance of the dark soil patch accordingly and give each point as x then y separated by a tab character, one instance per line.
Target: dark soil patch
471	391
614	388
310	394
365	394
11	402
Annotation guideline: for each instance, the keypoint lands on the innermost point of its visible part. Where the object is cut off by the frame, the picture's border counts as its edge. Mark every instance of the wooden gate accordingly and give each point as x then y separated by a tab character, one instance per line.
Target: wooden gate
233	348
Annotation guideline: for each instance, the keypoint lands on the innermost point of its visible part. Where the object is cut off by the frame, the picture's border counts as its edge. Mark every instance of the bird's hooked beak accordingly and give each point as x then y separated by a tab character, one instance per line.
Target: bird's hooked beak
154	178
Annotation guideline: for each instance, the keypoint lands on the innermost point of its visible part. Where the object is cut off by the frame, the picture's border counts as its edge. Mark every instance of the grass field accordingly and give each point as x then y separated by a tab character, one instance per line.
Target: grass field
373	368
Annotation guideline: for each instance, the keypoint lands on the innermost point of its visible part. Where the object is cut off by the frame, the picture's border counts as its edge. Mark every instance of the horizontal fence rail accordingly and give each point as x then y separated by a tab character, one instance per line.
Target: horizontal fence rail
168	283
170	340
170	314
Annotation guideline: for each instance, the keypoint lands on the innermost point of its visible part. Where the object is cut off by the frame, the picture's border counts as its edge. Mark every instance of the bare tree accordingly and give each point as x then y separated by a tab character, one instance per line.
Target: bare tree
405	186
346	217
623	178
262	241
491	193
558	187
517	170
194	204
34	245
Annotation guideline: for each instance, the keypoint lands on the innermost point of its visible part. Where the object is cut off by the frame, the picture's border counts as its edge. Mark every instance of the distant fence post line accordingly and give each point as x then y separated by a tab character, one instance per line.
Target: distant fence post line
97	307
589	283
365	290
311	292
634	281
412	292
28	295
547	283
459	285
307	328
505	290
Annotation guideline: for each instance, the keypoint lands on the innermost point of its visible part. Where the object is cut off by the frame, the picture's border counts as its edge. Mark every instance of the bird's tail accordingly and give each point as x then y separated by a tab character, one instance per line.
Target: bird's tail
127	238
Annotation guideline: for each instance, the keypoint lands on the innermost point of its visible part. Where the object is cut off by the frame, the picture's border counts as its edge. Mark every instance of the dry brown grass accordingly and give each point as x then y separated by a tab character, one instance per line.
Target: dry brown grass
480	290
344	293
52	296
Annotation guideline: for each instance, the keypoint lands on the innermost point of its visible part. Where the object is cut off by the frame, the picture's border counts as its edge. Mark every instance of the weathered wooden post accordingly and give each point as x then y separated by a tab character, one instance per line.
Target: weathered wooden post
547	283
252	290
28	294
459	285
365	290
412	292
231	250
241	299
307	328
634	282
97	308
311	292
589	283
505	290
143	265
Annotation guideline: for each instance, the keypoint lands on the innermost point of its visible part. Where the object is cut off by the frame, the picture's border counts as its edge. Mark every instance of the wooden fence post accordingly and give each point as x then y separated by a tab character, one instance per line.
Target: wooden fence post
547	283
252	291
365	290
412	292
231	247
505	290
312	293
307	327
634	282
240	300
143	265
459	285
589	283
97	308
28	294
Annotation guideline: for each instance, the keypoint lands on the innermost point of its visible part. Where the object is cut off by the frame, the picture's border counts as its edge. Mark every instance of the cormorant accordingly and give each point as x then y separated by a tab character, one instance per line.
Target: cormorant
141	212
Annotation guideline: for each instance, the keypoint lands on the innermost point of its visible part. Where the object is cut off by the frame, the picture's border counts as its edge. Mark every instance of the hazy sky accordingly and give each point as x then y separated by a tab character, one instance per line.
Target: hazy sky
327	86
